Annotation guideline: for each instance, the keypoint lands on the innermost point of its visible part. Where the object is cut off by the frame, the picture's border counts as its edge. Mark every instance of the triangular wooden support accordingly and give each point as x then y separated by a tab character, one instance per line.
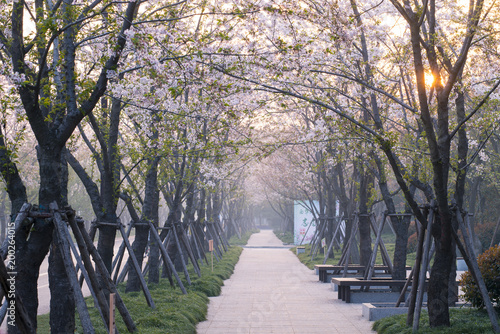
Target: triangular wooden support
81	307
383	250
88	273
119	256
351	241
199	246
181	253
417	268
334	237
87	247
137	269
166	257
422	275
187	245
471	259
22	320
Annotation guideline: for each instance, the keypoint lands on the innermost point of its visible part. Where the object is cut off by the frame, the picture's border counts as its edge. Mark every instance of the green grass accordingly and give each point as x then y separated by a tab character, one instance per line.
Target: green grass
175	312
235	241
305	258
464	320
286	237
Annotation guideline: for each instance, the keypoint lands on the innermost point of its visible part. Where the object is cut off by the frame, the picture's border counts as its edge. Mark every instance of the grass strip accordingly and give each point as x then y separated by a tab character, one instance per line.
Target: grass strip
463	320
175	312
235	241
286	237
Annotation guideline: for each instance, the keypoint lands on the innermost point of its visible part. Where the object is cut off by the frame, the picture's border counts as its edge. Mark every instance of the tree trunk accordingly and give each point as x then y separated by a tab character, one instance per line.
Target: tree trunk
142	230
62	304
154	247
365	239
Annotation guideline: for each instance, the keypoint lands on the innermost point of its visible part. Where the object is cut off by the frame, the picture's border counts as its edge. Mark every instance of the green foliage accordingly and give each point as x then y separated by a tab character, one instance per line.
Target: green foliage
286	237
485	232
235	241
489	265
463	320
175	313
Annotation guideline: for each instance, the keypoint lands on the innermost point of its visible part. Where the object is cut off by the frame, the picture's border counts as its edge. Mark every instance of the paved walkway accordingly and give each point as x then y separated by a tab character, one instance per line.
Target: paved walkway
272	292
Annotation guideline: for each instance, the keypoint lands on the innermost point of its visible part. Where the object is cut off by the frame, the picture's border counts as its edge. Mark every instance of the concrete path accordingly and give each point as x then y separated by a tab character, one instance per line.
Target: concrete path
272	292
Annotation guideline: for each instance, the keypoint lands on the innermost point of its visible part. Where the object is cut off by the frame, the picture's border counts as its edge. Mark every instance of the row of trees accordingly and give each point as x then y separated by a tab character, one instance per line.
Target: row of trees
109	91
392	97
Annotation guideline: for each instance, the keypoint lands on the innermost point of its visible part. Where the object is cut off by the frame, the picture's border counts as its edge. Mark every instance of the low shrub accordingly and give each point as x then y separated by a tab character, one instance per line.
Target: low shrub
489	265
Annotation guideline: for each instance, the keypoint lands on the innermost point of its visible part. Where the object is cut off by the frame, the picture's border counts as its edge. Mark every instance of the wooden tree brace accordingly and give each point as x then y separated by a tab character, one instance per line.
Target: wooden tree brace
23	322
166	258
471	259
70	271
90	275
138	270
18	224
179	249
101	267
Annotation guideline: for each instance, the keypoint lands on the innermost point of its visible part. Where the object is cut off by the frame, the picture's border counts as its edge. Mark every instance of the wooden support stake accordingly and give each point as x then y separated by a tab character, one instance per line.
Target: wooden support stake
119	257
349	245
211	250
405	288
181	255
18	223
103	271
166	265
63	246
494	233
220	231
383	251
111	313
88	273
23	322
187	245
330	246
369	272
138	270
199	246
417	268
166	257
474	268
423	272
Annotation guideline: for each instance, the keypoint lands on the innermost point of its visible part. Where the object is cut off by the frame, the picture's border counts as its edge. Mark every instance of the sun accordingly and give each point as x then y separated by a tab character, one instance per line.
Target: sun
429	79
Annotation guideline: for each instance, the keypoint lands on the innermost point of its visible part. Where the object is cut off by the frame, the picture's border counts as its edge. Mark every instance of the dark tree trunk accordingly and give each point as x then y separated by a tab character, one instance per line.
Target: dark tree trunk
62	304
110	175
365	240
142	231
473	208
154	247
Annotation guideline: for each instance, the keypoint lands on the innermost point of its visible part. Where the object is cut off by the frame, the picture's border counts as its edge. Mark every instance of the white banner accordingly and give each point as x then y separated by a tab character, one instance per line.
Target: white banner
304	224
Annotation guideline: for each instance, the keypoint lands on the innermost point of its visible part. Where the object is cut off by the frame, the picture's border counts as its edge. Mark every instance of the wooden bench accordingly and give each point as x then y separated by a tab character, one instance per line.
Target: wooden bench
353	269
344	285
